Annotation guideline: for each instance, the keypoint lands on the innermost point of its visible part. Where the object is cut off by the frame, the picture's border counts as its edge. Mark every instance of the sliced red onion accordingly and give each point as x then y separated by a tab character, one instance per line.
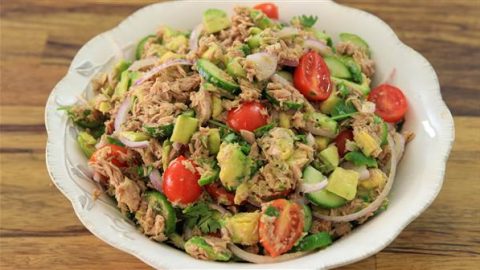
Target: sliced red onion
156	179
265	64
378	201
122	113
362	171
194	36
132	144
254	258
157	69
220	209
287	32
143	63
318	46
309	188
289	62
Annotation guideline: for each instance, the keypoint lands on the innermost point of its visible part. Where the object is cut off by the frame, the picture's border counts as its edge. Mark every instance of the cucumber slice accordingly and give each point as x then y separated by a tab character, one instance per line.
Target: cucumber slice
214	75
307	213
162	206
348	37
160	132
184	128
353	67
337	68
141	46
322	198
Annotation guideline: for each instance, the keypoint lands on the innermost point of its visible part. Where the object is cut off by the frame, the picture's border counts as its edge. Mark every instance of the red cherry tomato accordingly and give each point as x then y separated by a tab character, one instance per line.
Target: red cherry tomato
341	139
279	236
390	102
248	116
114	152
270	9
180	183
312	77
220	194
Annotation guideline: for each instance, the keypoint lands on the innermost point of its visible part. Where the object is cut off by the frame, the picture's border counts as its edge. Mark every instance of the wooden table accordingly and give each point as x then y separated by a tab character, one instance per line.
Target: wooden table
39	39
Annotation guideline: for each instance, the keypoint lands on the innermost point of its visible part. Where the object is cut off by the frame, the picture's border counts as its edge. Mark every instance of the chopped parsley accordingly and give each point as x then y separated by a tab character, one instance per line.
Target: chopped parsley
202	216
272	211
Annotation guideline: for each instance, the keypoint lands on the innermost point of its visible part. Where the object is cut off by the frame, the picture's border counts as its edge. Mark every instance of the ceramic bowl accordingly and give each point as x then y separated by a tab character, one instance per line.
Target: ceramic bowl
420	173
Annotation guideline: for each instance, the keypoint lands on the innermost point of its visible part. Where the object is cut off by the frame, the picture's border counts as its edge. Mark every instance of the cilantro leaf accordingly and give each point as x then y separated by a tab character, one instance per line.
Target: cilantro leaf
360	159
202	216
343	110
307	21
272	211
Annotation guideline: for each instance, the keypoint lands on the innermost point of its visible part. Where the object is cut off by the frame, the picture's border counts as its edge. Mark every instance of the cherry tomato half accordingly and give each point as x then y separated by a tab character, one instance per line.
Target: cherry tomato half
220	194
341	140
390	102
114	152
279	236
270	9
180	183
248	116
312	77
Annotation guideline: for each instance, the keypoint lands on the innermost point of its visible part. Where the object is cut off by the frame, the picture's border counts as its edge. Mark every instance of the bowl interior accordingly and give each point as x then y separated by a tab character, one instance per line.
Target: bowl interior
419	175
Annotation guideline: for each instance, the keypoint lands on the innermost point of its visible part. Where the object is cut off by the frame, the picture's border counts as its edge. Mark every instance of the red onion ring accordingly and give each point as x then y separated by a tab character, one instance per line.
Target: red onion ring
318	46
194	36
287	32
265	64
156	179
122	113
309	188
377	202
161	67
127	142
254	258
142	63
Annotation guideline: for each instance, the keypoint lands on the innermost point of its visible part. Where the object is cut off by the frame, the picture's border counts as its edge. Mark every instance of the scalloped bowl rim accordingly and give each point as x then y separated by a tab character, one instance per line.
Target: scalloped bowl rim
445	130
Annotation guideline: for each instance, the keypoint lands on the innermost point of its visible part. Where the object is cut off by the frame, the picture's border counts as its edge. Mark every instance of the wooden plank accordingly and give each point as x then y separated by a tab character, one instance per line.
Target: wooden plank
25	115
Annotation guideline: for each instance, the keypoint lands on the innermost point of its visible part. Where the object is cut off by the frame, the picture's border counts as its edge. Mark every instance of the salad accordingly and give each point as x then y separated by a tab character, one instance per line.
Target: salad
249	138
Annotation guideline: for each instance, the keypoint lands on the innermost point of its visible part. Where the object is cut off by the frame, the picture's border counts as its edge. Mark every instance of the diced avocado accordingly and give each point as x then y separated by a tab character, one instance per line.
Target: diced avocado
157	49
234	165
135	136
242	192
322	197
356	40
184	128
337	68
104	106
141	46
235	69
367	143
286	75
216	107
160	132
362	88
314	241
122	85
323	36
353	67
213	54
176	43
254	30
214	75
87	143
169	56
214	141
307	214
343	183
327	105
169	32
120	67
260	19
199	248
215	20
284	120
209	176
159	203
243	228
359	159
322	142
377	179
254	41
322	124
166	148
177	240
329	156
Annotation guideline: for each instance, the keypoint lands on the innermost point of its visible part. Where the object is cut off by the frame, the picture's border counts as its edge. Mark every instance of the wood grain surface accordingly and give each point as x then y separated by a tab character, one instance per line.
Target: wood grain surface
39	38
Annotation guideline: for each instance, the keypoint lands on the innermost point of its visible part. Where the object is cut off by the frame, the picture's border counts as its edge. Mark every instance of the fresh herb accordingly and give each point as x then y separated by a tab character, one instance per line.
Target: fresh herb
359	159
98	131
301	138
343	110
245	49
255	165
160	132
202	216
307	21
144	171
259	132
230	137
272	211
112	140
217	123
344	91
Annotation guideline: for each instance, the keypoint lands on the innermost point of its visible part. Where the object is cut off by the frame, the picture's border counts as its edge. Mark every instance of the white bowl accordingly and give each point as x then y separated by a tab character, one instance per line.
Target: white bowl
420	174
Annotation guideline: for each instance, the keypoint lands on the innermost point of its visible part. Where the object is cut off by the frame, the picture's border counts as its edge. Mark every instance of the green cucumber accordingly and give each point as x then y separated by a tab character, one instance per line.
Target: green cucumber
322	198
184	128
314	241
307	213
356	40
353	67
160	132
214	75
363	88
337	68
158	202
141	46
